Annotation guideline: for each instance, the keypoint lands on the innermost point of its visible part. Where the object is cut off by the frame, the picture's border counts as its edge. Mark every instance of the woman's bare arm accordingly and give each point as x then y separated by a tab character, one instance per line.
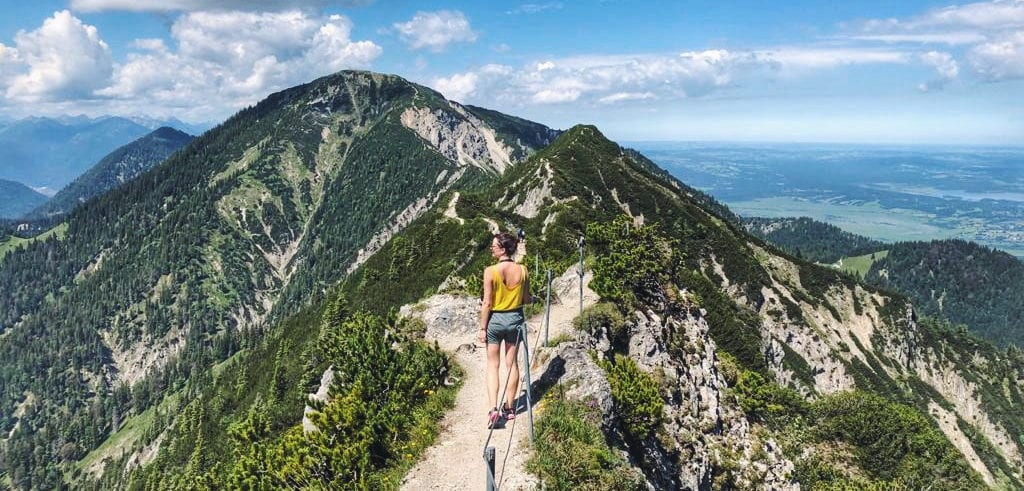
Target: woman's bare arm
527	298
485	306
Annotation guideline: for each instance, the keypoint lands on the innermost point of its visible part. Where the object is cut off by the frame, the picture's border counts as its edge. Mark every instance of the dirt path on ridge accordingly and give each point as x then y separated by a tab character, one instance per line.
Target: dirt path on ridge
455	461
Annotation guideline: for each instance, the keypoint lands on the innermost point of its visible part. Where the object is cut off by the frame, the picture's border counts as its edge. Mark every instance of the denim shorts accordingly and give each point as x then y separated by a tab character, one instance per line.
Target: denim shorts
505	326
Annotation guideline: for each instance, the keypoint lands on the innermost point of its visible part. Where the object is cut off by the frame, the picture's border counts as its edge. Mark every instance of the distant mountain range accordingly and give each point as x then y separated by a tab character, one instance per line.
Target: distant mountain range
16	199
51	152
118	167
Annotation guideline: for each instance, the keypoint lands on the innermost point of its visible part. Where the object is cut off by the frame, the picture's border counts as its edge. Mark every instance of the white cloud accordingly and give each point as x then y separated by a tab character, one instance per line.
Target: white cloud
435	30
945	66
149	44
950	38
62	58
611	79
535	8
943	63
9	64
200	5
457	87
993	32
554	96
1001	59
231	59
997	14
818	58
626	96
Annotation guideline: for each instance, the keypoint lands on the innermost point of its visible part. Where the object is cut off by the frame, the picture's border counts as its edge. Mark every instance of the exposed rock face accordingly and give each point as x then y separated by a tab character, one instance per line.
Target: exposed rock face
319	396
907	349
450	319
947	422
703	428
829	344
535	197
460	137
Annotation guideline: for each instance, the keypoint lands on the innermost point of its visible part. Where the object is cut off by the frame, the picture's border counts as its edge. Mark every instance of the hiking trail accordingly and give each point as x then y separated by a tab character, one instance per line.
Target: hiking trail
455	461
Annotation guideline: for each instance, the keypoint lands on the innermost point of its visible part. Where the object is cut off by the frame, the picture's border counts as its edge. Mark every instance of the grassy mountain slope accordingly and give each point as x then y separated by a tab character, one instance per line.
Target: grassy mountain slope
776	330
18	199
160	278
118	167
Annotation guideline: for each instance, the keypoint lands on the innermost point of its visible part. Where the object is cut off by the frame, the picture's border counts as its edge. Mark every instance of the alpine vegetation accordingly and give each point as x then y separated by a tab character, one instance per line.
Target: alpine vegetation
264	309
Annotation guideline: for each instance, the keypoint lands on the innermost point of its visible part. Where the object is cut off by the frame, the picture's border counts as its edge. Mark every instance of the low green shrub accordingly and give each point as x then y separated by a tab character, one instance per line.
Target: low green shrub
570	451
606	315
633	262
559	339
372	424
768	402
892	441
636	396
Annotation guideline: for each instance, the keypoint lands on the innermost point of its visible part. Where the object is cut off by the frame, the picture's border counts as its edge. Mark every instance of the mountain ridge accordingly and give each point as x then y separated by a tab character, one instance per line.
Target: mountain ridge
48	152
18	199
959	280
714	360
114	169
169	273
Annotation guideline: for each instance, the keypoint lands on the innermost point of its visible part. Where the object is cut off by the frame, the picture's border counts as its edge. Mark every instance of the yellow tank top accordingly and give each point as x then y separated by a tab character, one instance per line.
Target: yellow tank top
506	298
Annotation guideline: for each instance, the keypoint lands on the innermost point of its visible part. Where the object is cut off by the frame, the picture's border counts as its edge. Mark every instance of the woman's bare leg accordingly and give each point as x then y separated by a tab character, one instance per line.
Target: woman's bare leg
493	360
512	363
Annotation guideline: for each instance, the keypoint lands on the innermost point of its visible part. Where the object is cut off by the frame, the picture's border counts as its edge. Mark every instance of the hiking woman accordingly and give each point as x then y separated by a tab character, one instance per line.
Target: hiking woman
506	289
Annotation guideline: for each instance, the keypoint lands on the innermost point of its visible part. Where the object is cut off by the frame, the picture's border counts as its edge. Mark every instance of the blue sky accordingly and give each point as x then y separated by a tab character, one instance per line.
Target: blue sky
872	72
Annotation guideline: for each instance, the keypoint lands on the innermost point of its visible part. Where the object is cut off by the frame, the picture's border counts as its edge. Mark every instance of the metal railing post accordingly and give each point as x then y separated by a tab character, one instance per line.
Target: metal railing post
529	395
489	457
580	243
547	309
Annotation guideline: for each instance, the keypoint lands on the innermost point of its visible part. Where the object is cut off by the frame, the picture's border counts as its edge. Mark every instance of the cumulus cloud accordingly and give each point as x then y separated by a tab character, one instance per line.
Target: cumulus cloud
458	87
991	31
945	66
201	5
216	62
62	58
435	30
1001	59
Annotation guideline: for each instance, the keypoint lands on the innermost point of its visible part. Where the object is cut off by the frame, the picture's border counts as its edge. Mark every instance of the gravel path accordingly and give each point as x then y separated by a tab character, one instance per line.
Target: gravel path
456	461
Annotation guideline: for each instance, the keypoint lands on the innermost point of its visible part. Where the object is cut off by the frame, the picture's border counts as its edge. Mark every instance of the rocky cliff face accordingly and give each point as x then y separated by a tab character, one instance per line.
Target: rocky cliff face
705	429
